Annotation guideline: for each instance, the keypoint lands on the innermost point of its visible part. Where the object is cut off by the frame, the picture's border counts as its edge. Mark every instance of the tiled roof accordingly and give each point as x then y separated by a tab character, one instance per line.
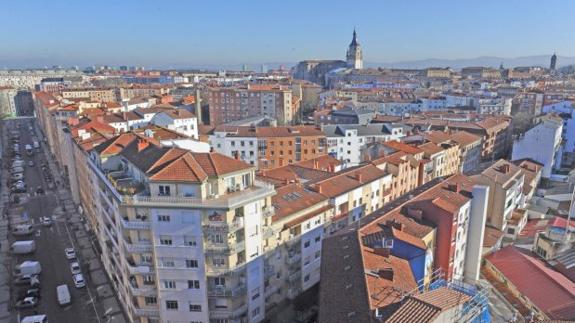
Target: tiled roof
425	307
403	147
347	180
294	198
502	171
548	289
430	149
464	138
115	145
183	169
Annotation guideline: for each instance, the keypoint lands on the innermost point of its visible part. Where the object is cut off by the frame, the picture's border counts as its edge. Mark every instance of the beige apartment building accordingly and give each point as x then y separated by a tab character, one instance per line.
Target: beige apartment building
96	95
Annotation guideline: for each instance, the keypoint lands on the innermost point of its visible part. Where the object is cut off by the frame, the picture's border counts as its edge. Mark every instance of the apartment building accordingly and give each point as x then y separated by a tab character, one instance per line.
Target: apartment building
346	141
139	90
7	100
566	111
181	232
269	147
500	105
235	103
93	94
444	158
505	181
542	143
179	120
469	148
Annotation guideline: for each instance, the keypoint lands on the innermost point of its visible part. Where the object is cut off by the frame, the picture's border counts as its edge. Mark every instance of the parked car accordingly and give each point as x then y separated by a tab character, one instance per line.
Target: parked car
70	253
63	294
79	281
22	229
35	319
30	292
31	163
17	170
46	221
23	247
31	280
27	302
75	268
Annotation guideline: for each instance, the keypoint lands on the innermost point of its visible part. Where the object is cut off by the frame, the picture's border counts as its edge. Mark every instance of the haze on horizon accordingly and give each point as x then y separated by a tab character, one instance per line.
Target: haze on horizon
182	34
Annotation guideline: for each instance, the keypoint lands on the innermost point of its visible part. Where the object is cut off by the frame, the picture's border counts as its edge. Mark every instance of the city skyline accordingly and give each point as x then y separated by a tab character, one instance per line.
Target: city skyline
187	35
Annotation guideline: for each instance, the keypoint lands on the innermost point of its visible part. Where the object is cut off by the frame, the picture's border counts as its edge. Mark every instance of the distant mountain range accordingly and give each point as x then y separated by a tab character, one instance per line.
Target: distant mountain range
487	61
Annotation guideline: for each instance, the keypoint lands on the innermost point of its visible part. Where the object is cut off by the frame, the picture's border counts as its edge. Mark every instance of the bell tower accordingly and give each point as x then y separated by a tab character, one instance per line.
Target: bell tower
354	56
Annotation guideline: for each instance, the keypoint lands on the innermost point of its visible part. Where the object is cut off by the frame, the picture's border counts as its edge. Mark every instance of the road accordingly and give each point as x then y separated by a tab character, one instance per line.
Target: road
51	242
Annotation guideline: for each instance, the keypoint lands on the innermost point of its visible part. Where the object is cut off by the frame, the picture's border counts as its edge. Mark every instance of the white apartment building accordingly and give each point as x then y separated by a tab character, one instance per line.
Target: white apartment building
346	141
7	102
181	232
493	105
541	143
566	111
179	120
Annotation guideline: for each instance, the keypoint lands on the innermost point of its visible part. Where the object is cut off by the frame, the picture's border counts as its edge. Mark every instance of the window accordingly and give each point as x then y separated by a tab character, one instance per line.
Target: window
317	254
255	293
306	261
190	241
255	312
169	284
220	281
317	239
306	244
167	262
195	308
193	284
306	278
172	305
218	262
191	263
150	300
163	218
166	240
217	238
164	190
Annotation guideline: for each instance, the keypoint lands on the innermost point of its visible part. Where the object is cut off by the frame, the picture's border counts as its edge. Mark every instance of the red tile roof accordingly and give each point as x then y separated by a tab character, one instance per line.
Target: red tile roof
548	289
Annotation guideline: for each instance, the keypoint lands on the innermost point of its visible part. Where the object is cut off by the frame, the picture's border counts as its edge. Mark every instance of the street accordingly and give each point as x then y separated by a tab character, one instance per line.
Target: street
91	304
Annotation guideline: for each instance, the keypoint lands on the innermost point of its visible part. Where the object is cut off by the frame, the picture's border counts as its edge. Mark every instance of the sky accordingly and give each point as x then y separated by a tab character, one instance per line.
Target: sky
181	33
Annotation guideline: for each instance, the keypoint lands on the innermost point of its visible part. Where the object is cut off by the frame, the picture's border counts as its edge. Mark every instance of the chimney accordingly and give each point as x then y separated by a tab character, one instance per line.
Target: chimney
415	213
382	251
212	149
142	144
397	225
505	168
199	107
454	187
358	177
386	273
315	164
237	155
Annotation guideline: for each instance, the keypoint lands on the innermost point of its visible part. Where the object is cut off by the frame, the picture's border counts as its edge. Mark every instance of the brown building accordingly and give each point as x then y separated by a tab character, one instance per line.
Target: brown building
227	104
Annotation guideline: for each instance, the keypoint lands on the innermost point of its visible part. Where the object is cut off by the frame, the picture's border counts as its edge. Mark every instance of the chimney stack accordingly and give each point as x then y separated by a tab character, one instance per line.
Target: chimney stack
237	155
454	187
142	144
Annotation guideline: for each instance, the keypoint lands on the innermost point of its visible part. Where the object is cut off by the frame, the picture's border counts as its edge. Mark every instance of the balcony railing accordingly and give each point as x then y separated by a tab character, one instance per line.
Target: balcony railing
143	291
231	248
139	247
233	226
270	290
294	259
136	225
147	312
295	276
268	211
229	201
229	314
141	269
222	291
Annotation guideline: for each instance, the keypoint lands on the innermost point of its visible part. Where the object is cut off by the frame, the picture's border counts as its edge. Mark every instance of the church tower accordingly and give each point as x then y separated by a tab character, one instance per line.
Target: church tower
553	64
354	56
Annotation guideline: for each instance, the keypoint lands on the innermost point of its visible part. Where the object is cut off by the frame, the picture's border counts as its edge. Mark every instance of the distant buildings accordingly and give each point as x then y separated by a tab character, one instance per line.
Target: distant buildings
7	101
566	111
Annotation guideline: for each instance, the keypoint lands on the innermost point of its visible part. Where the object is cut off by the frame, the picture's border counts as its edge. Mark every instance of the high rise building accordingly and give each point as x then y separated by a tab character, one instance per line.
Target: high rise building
354	56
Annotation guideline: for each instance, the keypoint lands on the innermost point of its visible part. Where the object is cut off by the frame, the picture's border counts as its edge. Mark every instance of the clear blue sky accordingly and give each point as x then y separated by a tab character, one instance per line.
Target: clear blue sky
195	32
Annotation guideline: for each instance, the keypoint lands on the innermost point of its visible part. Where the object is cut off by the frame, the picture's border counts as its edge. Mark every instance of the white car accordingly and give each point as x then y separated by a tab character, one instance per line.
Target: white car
79	281
75	268
70	253
46	221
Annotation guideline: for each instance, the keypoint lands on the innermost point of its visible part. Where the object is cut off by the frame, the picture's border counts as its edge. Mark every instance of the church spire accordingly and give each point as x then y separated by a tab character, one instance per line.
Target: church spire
354	56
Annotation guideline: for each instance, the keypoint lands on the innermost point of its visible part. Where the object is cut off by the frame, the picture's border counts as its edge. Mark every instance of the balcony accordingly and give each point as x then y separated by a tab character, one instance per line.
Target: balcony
268	232
140	269
268	211
268	272
232	200
139	247
223	291
143	291
294	259
270	290
295	277
229	314
136	225
231	248
147	312
224	227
